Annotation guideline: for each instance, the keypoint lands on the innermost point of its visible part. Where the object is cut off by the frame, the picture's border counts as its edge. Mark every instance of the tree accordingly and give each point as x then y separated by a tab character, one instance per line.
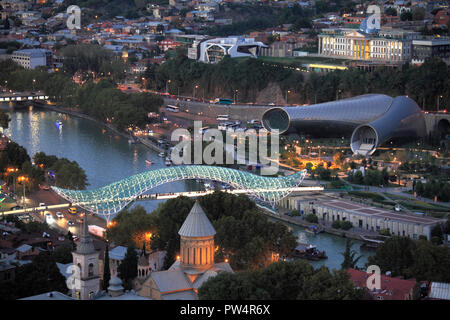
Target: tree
40	276
106	270
63	253
281	281
396	254
406	15
390	11
127	270
14	155
4	120
350	259
312	218
418	13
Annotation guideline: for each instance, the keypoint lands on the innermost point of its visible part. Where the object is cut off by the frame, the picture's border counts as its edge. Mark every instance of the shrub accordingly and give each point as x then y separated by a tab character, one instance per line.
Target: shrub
336	224
312	218
346	225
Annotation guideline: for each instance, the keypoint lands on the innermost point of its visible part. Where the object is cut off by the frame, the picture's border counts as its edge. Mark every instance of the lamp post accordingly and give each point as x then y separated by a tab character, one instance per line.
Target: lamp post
438	102
22	180
167	85
287	92
235	95
34	81
195	89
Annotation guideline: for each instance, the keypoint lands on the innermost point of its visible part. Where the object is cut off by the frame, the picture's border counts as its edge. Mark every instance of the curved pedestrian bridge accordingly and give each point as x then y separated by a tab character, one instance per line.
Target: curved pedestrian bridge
112	198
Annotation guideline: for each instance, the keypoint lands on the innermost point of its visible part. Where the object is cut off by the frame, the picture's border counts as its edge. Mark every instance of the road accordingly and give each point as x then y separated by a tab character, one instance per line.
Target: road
51	199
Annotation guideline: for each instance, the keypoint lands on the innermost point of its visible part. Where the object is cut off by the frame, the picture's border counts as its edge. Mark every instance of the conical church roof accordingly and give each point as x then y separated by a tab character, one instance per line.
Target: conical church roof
197	224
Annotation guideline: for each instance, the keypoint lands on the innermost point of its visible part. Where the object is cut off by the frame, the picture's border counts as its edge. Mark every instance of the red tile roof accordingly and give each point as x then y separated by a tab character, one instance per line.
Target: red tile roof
391	288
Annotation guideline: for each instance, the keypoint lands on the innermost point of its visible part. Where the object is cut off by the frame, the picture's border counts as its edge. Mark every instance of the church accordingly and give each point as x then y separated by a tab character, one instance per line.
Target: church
180	282
194	265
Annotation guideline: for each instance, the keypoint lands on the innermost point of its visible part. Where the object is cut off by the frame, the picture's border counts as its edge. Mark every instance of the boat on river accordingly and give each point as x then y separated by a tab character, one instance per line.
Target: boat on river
309	251
372	242
313	229
148	162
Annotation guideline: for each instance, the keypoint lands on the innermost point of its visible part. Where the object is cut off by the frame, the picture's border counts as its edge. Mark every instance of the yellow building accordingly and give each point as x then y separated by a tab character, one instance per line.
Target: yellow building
387	47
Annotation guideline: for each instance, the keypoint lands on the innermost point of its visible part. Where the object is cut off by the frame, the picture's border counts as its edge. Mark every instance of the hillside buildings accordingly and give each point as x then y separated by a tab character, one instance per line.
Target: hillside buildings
31	58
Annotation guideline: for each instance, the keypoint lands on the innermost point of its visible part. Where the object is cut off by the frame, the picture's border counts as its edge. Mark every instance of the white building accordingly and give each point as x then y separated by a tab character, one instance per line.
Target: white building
385	46
213	50
30	58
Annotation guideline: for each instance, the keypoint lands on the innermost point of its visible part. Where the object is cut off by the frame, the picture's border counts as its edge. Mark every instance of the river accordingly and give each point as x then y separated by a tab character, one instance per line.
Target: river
107	157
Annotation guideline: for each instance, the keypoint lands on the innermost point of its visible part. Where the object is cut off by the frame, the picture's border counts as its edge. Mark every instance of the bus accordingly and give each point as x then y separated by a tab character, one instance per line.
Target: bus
223	101
222	117
172	108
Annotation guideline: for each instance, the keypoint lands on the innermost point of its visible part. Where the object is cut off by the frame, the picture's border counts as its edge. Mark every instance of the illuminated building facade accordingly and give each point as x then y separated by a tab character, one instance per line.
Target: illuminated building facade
384	46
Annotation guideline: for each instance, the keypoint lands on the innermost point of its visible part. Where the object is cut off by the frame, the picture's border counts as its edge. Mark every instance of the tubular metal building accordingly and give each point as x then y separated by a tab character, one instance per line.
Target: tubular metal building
371	119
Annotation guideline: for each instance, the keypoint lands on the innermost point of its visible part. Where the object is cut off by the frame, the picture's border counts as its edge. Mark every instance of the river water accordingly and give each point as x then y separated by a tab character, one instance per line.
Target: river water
107	157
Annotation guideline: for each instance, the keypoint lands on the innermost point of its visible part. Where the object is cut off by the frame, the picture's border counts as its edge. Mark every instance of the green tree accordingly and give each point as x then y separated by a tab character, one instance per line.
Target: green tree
40	276
396	254
106	270
63	253
4	120
127	270
350	259
312	218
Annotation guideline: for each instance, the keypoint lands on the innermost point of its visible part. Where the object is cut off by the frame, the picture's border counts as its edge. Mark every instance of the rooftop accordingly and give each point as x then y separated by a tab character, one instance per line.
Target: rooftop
391	288
197	224
362	209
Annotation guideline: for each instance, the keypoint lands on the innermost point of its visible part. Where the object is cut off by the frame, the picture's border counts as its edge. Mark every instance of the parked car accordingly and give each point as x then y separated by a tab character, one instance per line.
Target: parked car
70	223
59	214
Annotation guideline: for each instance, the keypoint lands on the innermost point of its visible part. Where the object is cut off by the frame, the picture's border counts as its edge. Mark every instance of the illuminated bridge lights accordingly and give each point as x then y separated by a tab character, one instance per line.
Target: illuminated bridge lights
109	200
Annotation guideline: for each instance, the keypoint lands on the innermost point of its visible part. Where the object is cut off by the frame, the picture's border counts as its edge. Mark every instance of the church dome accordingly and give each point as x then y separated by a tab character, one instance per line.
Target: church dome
197	224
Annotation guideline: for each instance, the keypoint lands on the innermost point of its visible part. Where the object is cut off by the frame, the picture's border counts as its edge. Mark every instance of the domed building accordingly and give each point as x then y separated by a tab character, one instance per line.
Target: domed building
194	266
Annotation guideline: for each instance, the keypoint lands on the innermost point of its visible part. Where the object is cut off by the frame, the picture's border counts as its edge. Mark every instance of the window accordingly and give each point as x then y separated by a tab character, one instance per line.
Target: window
90	270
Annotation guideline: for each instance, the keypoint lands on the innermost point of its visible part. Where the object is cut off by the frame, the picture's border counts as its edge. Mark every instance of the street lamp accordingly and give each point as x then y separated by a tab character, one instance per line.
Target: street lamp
34	80
22	180
235	95
288	91
167	84
438	102
195	88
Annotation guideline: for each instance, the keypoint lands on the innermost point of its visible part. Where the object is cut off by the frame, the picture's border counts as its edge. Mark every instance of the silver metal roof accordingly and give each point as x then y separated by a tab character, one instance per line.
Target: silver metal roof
197	224
440	290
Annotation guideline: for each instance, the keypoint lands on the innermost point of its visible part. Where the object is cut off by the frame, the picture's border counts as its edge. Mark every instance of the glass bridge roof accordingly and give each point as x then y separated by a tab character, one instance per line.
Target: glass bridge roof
110	199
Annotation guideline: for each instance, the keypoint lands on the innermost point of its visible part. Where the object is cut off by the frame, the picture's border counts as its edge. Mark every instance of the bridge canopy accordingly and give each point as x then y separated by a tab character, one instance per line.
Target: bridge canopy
110	199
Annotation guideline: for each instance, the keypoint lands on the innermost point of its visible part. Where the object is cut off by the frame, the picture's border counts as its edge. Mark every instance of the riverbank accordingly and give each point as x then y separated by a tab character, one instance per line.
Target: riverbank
145	142
302	223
